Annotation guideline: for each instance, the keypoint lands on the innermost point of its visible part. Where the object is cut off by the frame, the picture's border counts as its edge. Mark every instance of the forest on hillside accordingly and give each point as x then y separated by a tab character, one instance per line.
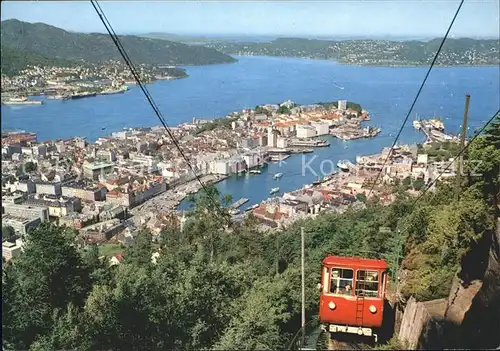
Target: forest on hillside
14	61
40	39
221	286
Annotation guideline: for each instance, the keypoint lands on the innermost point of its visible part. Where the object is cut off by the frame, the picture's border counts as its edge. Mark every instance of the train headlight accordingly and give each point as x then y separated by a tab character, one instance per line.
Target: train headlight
372	309
332	305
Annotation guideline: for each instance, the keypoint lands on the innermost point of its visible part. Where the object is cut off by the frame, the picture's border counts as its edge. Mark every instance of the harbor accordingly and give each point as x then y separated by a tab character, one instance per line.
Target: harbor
434	130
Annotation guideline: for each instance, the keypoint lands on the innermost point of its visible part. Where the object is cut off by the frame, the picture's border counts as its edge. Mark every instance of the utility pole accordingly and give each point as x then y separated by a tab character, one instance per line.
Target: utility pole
399	255
460	163
277	254
303	286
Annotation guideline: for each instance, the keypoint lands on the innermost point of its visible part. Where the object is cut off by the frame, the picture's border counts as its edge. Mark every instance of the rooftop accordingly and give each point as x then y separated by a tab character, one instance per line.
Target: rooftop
356	262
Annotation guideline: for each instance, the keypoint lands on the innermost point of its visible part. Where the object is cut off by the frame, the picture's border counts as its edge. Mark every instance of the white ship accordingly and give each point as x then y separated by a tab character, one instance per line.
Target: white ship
277	175
345	165
122	89
234	212
436	123
274	190
417	124
255	171
253	207
22	101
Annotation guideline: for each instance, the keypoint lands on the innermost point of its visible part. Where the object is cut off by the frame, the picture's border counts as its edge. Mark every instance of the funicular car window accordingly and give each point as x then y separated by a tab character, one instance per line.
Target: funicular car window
341	281
367	283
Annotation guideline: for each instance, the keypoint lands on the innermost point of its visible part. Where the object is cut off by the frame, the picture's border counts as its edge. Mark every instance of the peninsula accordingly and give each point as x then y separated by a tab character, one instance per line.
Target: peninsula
463	51
74	81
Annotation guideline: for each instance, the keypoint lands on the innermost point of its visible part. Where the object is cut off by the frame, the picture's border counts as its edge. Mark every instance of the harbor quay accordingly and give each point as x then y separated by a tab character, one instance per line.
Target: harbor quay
140	177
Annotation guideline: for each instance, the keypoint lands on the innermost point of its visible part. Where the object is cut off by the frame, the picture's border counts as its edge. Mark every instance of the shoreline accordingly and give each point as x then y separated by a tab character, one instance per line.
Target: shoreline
360	64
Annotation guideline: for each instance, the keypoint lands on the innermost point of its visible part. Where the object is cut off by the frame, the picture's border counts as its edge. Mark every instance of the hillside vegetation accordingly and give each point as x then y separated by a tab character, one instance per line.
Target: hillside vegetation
54	42
218	289
463	51
14	61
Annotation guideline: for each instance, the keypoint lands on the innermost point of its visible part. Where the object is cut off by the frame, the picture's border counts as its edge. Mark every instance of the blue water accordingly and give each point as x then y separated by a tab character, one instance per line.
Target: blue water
214	91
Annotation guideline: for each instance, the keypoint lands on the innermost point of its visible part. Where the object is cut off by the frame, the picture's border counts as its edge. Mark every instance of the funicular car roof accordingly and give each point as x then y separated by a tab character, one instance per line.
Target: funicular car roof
354	262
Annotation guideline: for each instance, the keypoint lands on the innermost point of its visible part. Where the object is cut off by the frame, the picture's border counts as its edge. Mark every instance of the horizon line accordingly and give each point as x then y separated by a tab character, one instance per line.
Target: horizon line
233	35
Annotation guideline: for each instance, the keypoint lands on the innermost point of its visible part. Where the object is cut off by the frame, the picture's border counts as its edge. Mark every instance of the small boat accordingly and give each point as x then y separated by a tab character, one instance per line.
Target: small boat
277	175
253	207
234	212
274	190
255	171
344	165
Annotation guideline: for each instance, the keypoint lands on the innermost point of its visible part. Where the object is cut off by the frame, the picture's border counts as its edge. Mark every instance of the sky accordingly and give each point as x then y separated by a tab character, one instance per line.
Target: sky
354	18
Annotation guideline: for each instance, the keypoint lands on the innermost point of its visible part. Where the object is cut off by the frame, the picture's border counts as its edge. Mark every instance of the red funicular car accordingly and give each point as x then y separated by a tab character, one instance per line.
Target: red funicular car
352	295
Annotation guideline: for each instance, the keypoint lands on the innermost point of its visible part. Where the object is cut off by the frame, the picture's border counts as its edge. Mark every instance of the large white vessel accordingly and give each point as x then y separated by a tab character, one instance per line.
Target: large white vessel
274	190
345	165
21	101
436	123
251	208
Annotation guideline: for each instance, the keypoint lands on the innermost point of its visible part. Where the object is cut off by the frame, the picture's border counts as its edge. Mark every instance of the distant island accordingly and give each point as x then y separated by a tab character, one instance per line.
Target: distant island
462	51
40	44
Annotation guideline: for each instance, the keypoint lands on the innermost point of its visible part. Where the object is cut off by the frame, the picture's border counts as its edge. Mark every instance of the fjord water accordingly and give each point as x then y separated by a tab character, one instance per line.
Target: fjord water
214	91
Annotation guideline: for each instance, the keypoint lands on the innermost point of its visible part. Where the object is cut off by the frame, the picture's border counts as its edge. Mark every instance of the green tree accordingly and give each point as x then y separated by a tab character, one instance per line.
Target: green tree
207	221
45	278
261	314
418	184
20	171
8	233
483	158
30	166
140	253
284	110
361	197
67	334
407	182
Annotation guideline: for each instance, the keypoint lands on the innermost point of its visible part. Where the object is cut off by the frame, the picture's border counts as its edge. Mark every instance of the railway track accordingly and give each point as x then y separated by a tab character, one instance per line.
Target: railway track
325	342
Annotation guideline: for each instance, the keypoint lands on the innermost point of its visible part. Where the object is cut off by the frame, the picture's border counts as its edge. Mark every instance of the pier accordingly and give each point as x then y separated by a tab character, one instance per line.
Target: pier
239	203
308	143
434	132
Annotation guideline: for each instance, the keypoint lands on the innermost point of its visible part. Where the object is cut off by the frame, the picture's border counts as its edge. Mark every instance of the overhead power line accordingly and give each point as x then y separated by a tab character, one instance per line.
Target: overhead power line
154	106
417	96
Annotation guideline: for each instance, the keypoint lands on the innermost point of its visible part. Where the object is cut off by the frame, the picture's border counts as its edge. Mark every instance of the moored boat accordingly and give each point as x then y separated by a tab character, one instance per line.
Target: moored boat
253	207
344	165
274	190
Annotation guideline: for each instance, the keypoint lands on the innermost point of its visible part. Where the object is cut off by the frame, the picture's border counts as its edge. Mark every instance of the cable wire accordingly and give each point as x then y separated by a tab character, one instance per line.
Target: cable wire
150	99
417	96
